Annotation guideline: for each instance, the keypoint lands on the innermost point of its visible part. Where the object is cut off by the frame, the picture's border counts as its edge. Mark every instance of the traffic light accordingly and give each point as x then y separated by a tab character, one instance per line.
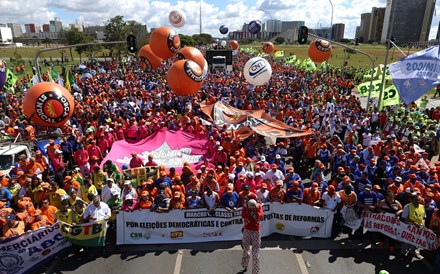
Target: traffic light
131	43
303	32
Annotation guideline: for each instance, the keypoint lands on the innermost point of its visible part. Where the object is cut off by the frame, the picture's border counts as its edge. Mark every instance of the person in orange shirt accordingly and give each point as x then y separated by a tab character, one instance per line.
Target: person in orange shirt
4	211
145	200
48	210
50	151
178	201
396	187
33	168
278	193
12	228
4	180
43	161
312	195
40	220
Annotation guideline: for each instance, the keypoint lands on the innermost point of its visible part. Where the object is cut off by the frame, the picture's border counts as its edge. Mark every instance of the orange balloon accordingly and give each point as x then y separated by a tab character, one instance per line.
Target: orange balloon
191	53
185	77
268	47
48	104
320	50
164	42
234	44
148	59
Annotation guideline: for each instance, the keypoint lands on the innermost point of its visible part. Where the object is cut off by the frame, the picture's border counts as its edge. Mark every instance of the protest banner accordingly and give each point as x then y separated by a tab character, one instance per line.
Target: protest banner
11	79
391	226
89	234
365	87
190	226
350	217
31	250
390	97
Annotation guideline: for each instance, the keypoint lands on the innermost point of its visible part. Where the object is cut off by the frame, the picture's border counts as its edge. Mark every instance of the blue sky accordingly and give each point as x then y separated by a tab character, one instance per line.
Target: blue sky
232	13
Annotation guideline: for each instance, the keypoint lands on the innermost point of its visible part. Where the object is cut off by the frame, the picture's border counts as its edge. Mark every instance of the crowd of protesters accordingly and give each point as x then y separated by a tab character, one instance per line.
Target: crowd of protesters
370	160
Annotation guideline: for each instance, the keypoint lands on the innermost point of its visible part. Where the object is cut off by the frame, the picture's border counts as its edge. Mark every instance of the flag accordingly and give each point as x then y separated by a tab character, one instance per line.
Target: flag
390	97
35	80
70	80
89	234
364	88
60	80
11	79
279	54
416	74
291	59
54	75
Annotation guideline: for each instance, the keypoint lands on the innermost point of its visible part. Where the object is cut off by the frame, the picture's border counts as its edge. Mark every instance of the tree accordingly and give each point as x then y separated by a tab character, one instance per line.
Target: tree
186	40
116	29
279	40
202	39
47	41
74	36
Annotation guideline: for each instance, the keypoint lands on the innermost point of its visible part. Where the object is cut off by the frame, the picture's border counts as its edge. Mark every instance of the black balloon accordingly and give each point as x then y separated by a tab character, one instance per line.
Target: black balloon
254	26
223	29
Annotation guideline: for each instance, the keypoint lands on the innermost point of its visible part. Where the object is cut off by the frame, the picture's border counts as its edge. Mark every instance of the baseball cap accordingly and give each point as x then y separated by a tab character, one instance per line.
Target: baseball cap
367	187
128	197
277	156
231	176
114	192
246	187
412	176
67	178
252	203
274	166
315	185
264	185
126	183
250	175
409	190
263	158
376	187
279	183
220	148
331	187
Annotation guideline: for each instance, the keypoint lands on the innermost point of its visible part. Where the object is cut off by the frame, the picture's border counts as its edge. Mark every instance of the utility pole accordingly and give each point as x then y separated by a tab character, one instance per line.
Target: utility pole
200	17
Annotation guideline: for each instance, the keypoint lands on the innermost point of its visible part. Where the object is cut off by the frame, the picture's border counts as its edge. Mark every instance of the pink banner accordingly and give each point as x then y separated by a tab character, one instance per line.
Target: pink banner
168	148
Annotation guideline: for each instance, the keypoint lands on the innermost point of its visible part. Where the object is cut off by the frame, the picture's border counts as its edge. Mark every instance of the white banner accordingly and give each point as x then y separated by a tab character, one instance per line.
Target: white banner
30	250
390	225
350	217
189	226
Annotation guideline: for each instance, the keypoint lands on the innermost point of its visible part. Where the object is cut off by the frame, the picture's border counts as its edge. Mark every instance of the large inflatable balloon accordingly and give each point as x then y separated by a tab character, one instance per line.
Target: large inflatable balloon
257	71
320	50
147	58
191	53
268	47
205	69
185	77
2	73
254	26
164	42
48	104
223	29
234	44
177	18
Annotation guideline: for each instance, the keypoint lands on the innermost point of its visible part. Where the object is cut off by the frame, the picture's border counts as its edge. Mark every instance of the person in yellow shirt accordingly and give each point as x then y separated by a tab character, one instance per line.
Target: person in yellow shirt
64	214
413	213
98	178
56	195
87	188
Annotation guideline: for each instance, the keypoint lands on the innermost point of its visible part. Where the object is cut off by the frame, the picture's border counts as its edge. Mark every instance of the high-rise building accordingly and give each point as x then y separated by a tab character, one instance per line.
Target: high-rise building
56	25
357	32
408	20
273	25
338	32
46	28
16	29
31	30
5	35
364	28
376	24
285	25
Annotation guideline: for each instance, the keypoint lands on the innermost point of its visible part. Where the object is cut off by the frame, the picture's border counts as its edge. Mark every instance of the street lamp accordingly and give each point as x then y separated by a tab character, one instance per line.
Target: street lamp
331	21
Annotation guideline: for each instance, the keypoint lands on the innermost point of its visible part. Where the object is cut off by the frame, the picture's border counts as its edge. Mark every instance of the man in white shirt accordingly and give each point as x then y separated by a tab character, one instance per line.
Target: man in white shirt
97	210
274	174
263	194
330	198
106	192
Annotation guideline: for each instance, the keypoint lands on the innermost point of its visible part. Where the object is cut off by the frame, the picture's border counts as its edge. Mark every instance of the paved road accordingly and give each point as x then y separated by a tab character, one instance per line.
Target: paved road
280	254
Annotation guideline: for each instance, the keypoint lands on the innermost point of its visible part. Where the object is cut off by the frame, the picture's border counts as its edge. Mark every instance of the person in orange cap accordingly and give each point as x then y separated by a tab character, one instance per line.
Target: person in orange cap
274	174
230	200
312	195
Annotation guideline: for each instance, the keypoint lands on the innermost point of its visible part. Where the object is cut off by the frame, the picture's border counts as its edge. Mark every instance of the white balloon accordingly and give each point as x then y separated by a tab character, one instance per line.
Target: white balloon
257	71
223	43
177	18
205	69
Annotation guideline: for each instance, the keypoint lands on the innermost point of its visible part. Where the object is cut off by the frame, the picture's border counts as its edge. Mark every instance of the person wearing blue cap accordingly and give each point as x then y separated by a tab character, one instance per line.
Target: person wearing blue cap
5	195
12	228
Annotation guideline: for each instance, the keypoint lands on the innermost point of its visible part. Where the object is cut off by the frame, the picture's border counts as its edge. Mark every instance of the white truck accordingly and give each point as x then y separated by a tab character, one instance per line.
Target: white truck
219	63
10	153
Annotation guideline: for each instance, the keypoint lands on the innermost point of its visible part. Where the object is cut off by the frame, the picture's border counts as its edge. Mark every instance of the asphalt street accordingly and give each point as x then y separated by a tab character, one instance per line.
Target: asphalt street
280	254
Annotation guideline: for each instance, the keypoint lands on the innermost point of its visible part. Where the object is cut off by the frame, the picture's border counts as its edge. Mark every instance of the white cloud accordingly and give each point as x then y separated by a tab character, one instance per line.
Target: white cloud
232	13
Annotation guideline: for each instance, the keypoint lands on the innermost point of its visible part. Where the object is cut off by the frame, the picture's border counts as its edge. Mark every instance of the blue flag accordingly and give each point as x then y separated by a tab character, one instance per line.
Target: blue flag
416	74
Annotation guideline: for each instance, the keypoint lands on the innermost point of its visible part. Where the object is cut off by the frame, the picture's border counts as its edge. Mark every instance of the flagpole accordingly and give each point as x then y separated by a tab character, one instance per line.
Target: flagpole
386	55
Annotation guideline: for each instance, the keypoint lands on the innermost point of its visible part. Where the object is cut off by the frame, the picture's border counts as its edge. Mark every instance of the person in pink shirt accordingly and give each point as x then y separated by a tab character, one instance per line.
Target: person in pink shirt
94	150
136	161
120	132
129	204
132	130
109	137
103	145
150	161
81	157
143	130
250	181
188	127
